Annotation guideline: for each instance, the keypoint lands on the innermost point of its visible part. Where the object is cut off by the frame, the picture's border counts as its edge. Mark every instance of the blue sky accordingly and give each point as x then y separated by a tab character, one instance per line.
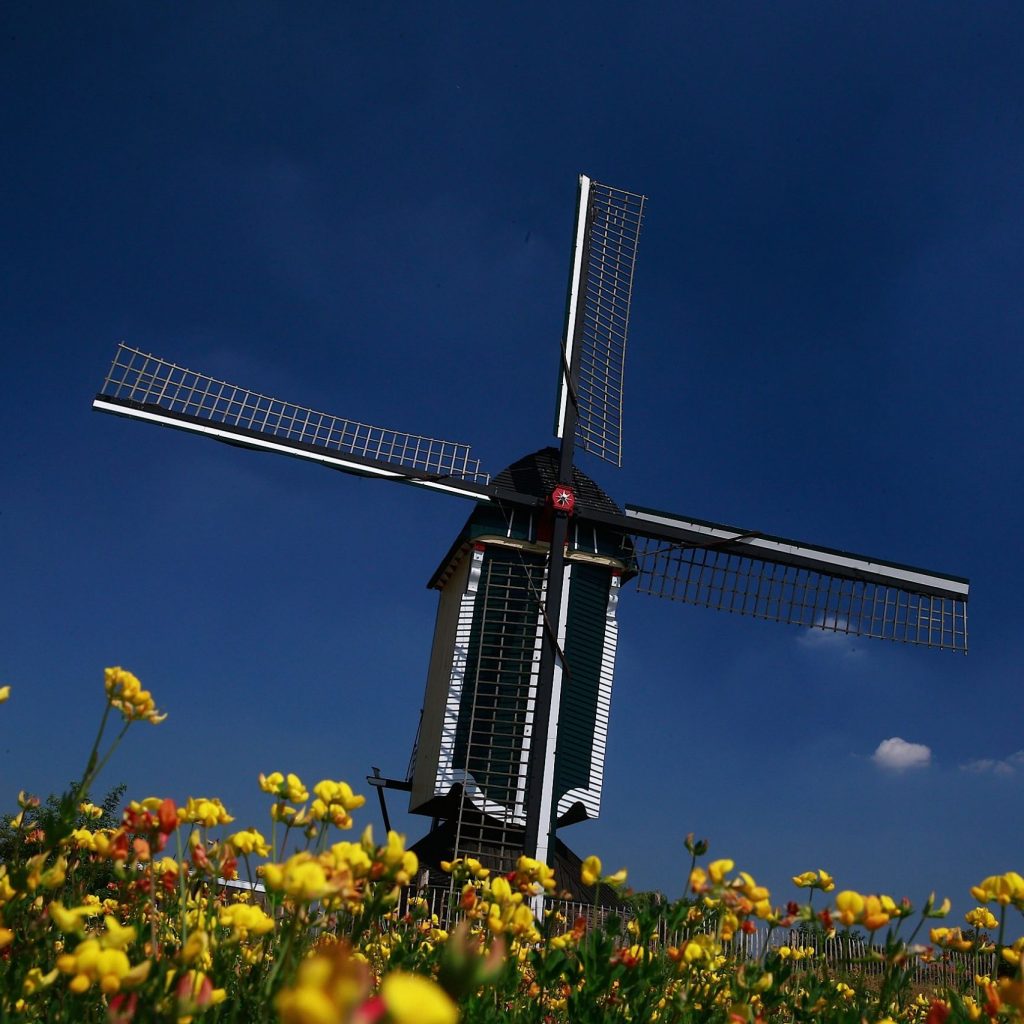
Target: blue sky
367	209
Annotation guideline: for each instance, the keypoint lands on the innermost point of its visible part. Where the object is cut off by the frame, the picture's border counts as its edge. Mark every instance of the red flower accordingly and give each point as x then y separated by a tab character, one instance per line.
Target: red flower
167	817
122	1007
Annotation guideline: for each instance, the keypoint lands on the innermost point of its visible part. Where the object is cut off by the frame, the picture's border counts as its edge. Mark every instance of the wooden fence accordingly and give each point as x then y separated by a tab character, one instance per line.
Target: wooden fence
947	969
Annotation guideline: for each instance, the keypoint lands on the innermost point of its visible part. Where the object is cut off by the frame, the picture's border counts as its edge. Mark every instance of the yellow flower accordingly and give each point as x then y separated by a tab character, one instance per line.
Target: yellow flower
36	981
501	891
1012	954
718	869
91	964
950	938
698	879
819	879
208	811
1011	992
327	988
413	999
534	876
301	877
40	876
286	787
850	905
338	793
754	892
931	910
591	871
591	874
981	917
71	921
244	919
125	693
250	841
117	935
1001	889
271	783
353	858
618	879
465	867
196	948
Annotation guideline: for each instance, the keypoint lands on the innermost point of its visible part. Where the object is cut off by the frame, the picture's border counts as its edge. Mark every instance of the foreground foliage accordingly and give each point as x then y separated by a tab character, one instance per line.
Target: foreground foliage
114	919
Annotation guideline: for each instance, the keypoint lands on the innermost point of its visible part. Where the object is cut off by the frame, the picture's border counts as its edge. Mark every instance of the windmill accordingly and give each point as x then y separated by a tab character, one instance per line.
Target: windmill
514	722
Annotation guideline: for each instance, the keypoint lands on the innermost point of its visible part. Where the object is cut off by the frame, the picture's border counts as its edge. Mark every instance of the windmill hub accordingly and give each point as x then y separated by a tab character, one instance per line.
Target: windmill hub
563	499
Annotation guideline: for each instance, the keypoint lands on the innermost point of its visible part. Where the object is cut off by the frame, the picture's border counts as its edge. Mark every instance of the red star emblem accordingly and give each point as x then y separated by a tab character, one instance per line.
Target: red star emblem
563	498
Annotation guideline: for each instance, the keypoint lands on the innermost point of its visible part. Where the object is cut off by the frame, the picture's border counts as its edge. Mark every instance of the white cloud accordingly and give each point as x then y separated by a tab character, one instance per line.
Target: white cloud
832	633
898	755
1007	766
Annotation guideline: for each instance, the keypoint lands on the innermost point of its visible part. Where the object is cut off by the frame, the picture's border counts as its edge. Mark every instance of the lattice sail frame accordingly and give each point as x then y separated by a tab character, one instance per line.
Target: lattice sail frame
600	293
799	595
147	380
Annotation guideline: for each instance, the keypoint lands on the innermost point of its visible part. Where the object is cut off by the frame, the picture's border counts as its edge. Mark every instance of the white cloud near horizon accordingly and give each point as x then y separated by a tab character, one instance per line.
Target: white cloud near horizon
989	765
896	754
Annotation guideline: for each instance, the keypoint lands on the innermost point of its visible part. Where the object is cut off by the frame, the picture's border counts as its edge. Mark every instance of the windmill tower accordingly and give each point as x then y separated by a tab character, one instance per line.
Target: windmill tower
515	718
471	765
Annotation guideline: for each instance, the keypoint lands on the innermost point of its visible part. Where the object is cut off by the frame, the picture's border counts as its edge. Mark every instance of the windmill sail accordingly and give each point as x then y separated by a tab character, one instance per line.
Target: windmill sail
149	388
597	318
788	581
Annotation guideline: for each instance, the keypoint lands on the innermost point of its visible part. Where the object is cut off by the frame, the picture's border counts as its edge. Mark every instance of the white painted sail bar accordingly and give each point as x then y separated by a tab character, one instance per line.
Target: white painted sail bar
237	437
608	222
795	552
573	311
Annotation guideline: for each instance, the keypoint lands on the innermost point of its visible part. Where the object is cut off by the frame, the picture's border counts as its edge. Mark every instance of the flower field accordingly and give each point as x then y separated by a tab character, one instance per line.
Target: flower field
117	912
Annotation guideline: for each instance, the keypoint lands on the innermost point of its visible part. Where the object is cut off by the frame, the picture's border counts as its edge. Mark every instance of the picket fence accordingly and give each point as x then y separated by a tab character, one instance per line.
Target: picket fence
948	968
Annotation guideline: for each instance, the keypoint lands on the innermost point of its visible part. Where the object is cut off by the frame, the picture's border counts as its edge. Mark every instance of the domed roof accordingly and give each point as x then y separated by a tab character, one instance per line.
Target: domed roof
534	475
537	475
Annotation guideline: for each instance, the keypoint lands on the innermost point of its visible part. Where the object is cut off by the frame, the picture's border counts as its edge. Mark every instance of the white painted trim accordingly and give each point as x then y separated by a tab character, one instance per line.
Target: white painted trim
531	704
449	488
250	442
548	778
574	294
824	558
445	776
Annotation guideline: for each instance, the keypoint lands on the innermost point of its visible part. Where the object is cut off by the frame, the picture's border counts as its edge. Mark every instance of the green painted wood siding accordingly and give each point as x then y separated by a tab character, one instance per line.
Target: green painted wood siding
584	650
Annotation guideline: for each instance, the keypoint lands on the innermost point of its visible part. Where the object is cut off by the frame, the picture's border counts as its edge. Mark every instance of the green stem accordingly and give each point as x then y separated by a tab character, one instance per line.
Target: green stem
285	949
106	757
91	763
284	840
913	934
152	908
181	885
